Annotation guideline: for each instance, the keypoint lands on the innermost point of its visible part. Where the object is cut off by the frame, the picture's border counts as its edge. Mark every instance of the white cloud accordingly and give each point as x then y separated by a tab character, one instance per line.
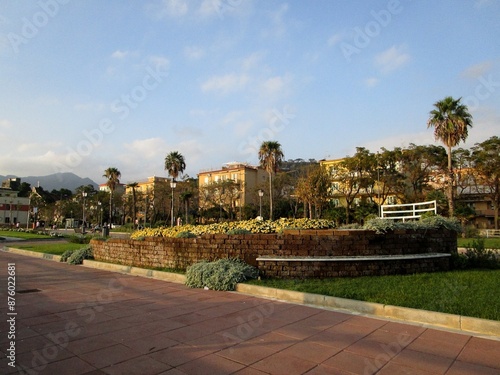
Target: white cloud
194	52
392	59
151	148
5	124
159	61
278	25
93	107
372	82
252	61
174	8
119	54
477	70
226	83
334	39
273	85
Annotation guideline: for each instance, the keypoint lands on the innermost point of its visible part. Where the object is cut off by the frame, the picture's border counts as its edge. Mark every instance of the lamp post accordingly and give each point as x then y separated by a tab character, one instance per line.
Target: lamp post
84	195
99	204
172	185
261	194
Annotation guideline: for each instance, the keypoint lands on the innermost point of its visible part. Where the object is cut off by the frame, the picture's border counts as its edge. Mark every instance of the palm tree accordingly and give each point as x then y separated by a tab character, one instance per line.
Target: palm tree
132	186
113	175
270	157
450	120
174	164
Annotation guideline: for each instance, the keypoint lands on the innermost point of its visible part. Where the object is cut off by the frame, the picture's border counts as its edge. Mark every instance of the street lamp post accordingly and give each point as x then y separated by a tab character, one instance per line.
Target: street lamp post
172	185
84	195
261	194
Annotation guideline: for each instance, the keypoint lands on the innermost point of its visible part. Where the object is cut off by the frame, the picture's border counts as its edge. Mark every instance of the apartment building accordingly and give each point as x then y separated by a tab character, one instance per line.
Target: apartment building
13	209
245	182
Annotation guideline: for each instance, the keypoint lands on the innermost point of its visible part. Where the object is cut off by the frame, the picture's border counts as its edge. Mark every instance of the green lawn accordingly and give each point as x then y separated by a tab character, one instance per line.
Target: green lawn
489	243
51	248
474	293
24	235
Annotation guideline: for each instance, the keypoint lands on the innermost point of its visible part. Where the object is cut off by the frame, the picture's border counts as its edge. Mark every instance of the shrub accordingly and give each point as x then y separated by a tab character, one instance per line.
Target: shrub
238	231
185	234
79	255
66	255
223	274
79	238
381	226
480	257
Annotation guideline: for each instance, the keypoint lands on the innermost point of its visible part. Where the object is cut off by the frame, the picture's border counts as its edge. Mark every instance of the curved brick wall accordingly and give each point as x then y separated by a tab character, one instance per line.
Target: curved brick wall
182	252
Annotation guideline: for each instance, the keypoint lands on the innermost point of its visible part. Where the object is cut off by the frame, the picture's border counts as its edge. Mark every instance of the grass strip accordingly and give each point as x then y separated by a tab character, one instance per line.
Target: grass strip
52	248
489	243
24	235
473	293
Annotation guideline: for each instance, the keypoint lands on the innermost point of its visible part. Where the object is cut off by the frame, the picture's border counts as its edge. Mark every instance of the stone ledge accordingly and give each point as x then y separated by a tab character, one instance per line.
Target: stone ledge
464	324
351	258
56	258
136	271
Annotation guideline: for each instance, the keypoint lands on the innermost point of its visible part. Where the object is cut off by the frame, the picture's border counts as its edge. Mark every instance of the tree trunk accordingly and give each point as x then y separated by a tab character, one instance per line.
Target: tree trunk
270	196
451	208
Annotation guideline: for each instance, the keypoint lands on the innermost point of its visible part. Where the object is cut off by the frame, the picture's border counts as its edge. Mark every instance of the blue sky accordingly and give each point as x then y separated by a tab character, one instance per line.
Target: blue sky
87	85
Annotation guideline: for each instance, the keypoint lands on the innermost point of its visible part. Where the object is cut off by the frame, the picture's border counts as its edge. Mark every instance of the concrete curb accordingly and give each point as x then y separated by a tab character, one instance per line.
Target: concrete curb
464	324
56	258
405	314
136	271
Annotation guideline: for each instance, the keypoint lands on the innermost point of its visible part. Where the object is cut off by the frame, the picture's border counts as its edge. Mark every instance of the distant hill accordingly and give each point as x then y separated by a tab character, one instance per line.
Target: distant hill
56	181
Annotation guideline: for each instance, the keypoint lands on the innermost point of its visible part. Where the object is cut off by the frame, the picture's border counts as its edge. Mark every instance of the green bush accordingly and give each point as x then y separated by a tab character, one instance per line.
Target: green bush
79	238
185	234
223	274
79	255
480	257
381	226
238	231
66	255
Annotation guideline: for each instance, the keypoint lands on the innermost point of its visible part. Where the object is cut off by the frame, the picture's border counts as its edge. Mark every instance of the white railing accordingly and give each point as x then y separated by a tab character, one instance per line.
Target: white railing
491	233
407	210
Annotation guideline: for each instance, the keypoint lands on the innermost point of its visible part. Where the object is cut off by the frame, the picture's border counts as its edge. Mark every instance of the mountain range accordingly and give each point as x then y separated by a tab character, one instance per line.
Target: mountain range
56	181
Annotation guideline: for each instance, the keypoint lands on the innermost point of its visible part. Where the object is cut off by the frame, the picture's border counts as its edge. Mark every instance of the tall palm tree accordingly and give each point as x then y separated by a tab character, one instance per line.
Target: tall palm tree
113	176
174	164
270	157
451	121
132	186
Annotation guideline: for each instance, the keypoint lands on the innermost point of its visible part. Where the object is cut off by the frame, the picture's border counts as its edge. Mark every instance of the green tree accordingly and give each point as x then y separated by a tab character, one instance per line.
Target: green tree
112	175
174	164
486	159
270	157
451	121
133	186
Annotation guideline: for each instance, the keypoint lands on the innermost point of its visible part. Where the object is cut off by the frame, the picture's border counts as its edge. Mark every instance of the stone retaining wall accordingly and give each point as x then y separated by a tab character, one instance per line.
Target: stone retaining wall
181	252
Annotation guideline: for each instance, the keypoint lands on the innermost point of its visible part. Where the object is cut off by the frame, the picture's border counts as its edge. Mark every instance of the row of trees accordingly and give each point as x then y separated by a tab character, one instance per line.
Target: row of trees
412	174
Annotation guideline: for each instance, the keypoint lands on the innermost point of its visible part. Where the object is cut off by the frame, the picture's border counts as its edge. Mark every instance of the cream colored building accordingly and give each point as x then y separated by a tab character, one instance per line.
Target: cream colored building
13	209
242	179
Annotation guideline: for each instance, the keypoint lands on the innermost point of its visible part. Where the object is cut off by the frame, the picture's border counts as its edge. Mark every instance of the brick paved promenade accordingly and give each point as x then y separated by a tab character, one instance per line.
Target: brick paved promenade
75	320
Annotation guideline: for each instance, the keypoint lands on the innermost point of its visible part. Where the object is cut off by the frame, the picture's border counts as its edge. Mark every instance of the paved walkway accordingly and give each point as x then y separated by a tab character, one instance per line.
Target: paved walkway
76	320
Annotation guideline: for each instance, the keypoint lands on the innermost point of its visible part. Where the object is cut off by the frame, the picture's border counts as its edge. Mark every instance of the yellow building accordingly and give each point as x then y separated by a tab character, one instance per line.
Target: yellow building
339	196
233	186
152	197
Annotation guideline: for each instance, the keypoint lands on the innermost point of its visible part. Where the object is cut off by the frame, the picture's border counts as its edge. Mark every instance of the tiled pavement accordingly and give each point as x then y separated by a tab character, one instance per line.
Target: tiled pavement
86	321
